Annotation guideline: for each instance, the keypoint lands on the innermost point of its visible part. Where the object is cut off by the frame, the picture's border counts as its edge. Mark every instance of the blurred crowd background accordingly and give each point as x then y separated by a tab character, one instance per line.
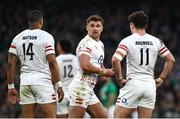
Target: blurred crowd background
66	19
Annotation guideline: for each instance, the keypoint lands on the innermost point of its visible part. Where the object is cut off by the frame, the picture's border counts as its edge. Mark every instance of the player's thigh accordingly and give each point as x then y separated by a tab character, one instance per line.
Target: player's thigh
122	112
76	112
28	110
49	109
144	112
26	95
97	111
94	106
46	98
44	94
80	95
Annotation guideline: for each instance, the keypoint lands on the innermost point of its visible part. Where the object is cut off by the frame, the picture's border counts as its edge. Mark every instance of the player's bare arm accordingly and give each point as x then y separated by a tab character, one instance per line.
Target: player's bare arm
88	67
167	69
116	65
11	70
53	66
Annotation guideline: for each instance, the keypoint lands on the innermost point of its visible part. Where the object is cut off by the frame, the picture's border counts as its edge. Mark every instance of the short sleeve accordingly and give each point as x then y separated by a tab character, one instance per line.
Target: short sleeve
12	48
121	49
163	51
85	48
49	46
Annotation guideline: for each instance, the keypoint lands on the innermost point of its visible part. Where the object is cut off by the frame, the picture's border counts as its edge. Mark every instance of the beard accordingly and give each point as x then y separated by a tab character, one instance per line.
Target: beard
95	36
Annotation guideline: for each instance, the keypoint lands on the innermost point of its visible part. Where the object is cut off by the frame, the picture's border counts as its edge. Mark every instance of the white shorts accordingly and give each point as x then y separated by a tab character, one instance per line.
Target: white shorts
137	93
63	106
30	94
81	94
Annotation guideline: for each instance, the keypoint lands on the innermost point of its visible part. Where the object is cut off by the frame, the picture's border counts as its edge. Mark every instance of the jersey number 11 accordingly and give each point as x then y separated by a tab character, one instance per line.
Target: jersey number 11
147	56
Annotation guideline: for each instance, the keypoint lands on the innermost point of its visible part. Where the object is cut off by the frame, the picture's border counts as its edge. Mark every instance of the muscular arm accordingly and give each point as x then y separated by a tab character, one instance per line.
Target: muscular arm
86	65
11	70
116	68
53	66
89	68
168	66
117	65
55	73
11	67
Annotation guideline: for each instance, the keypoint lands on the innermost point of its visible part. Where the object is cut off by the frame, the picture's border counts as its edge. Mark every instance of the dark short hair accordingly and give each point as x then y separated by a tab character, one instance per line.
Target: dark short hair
34	16
66	45
139	19
95	18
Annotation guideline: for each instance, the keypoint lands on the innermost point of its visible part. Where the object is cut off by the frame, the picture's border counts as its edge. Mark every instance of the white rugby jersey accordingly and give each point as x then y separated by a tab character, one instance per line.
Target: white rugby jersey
94	49
68	68
32	47
142	52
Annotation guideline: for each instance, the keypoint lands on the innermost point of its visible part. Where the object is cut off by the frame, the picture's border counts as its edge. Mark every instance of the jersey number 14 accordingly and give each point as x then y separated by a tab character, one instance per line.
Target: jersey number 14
28	51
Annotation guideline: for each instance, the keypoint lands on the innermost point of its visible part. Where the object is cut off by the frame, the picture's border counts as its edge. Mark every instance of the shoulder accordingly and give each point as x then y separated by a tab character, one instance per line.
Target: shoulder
101	43
44	33
126	39
73	56
154	39
70	55
47	36
19	36
59	58
87	39
130	37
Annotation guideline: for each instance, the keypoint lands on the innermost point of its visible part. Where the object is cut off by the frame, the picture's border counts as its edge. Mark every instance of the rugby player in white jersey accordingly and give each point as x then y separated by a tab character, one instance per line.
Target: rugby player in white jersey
39	69
68	66
90	54
141	49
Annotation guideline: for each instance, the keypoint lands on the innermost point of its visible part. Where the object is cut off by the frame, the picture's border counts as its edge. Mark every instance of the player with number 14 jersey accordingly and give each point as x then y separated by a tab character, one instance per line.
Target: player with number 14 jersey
32	47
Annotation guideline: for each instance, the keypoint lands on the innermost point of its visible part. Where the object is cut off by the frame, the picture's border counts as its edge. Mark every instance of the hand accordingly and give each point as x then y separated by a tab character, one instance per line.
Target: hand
158	81
121	82
60	94
105	79
107	72
12	96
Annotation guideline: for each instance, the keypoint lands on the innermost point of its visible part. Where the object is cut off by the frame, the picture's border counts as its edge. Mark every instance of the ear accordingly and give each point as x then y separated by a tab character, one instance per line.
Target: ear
42	22
102	28
132	26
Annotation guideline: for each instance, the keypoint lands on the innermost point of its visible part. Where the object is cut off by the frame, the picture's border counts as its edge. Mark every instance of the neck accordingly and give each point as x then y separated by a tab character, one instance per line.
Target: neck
31	27
140	31
62	52
96	39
